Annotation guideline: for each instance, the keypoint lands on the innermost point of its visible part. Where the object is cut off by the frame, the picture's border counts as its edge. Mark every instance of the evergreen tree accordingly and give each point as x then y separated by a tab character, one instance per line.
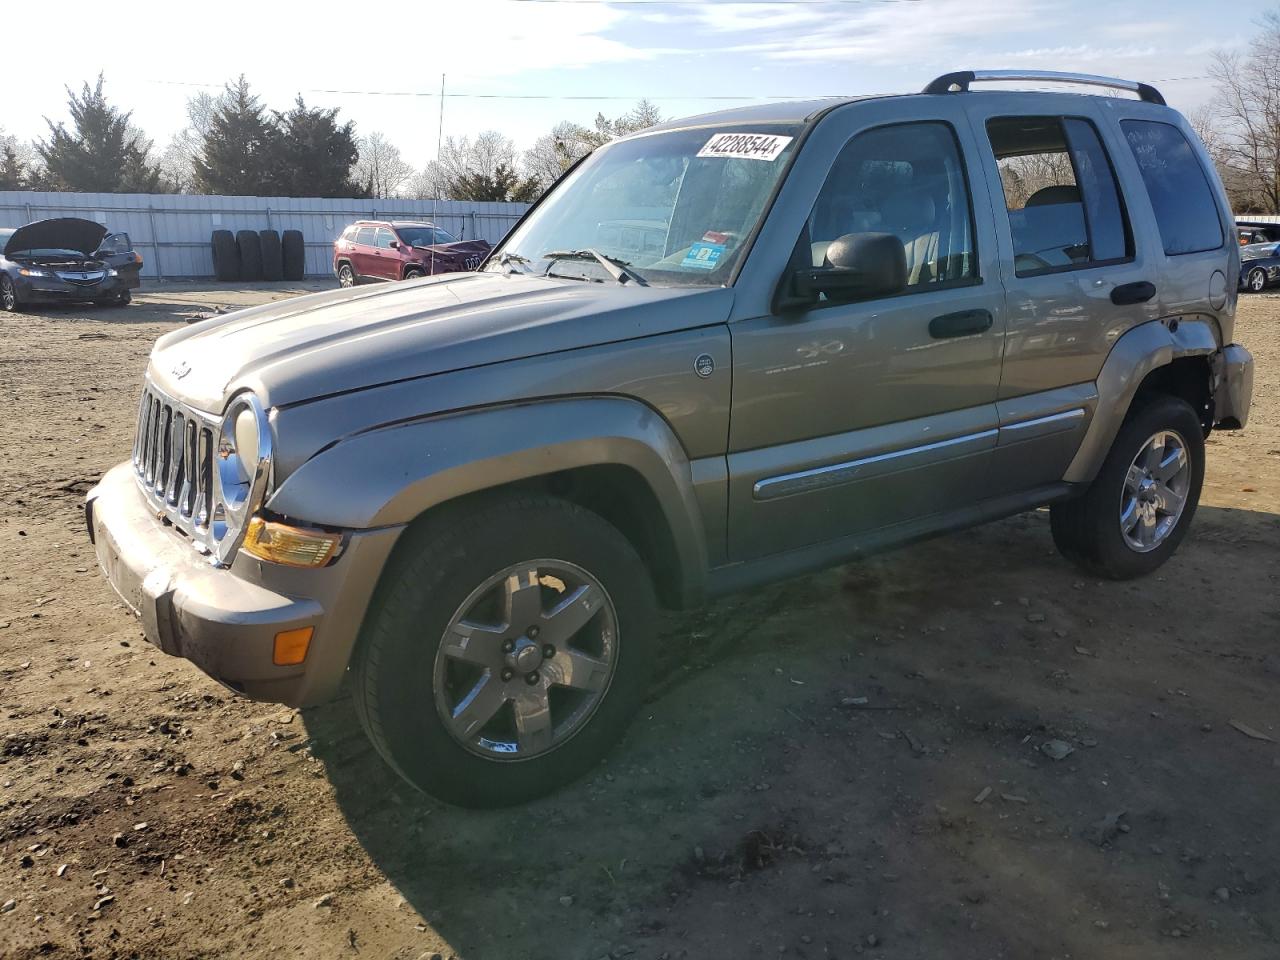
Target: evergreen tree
236	150
502	184
313	156
103	153
13	172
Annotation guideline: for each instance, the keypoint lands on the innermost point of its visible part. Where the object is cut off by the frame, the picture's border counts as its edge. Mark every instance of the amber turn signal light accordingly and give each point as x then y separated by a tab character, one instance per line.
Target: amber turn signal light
291	646
292	546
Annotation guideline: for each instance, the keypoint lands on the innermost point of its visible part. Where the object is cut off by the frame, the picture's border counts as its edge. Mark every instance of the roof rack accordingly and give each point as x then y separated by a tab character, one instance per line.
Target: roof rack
960	80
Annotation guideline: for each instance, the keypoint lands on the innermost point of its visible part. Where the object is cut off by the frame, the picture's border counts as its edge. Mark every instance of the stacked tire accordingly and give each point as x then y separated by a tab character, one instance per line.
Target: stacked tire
258	255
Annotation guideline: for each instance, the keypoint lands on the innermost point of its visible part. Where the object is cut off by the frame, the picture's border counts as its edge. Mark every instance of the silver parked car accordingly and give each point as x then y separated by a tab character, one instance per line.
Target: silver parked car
733	349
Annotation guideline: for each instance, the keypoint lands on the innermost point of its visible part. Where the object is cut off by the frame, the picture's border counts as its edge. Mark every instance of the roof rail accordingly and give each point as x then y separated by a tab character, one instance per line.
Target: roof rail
960	80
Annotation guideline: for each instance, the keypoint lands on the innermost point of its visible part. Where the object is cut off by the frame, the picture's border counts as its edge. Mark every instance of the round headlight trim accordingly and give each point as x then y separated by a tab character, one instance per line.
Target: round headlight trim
241	469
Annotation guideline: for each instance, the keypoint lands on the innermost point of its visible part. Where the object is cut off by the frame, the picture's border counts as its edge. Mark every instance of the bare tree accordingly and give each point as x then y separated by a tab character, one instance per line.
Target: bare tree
1248	104
177	161
380	168
462	158
567	143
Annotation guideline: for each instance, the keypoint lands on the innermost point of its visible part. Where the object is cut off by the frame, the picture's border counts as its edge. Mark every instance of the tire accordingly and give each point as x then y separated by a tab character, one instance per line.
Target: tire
1088	530
414	273
226	256
436	571
250	246
346	275
294	254
272	255
8	295
1257	280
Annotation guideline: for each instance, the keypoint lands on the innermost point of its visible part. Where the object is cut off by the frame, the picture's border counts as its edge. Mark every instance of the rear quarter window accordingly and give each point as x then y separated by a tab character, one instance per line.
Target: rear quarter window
1181	197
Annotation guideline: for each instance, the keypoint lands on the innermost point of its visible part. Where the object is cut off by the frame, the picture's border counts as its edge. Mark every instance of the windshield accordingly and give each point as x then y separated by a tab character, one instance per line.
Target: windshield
423	236
677	207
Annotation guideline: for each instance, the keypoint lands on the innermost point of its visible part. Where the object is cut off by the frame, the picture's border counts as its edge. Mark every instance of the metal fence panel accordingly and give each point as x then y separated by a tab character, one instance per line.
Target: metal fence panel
172	231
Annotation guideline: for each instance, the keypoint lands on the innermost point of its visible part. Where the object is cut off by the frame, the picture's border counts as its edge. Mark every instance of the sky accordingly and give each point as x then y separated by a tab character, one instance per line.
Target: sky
519	67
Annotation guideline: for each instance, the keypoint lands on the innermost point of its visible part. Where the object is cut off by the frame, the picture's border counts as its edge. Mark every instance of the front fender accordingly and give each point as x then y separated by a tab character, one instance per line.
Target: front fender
1136	354
391	475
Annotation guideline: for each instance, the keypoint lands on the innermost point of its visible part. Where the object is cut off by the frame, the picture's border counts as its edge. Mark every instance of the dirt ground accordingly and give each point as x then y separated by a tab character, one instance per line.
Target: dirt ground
147	812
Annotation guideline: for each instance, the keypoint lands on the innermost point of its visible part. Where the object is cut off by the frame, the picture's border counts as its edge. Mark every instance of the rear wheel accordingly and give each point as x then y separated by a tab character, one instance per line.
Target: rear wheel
1136	512
506	651
8	295
1257	280
346	276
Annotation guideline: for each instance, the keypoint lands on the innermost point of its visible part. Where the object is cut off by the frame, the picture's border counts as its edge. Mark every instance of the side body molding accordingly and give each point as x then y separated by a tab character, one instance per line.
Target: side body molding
390	475
1139	351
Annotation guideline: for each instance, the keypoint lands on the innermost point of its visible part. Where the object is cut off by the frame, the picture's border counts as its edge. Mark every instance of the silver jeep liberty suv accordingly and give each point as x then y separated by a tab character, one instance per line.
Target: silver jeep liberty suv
726	350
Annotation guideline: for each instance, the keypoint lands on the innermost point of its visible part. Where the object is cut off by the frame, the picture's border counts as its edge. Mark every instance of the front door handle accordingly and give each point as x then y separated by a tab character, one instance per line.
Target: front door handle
960	324
1128	294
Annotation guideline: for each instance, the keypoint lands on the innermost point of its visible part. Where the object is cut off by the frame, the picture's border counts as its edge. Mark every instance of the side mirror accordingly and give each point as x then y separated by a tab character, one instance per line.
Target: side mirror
858	266
395	244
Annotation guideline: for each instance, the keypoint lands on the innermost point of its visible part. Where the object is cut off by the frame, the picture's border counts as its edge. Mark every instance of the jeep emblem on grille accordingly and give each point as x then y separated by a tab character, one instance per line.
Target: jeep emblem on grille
181	370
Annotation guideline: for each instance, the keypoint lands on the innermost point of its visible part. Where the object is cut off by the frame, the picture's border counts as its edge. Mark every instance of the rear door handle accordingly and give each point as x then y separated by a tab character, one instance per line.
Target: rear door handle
960	324
1128	294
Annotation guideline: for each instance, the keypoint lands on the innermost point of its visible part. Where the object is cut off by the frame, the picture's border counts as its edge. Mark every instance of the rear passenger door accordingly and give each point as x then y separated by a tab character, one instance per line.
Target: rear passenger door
1074	277
362	252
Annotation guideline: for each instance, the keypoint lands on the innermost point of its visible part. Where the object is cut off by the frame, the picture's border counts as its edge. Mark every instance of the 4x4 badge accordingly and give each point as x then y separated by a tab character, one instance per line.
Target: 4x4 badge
704	366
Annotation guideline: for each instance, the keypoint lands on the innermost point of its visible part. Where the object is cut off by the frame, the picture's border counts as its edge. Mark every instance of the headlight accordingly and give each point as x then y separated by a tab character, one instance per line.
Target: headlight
111	272
241	470
33	272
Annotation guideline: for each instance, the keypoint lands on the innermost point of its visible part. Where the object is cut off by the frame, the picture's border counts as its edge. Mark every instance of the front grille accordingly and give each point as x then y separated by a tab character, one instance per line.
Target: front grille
173	461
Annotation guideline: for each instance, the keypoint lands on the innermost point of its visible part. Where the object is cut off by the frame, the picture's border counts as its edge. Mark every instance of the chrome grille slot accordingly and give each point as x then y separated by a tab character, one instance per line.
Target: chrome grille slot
173	461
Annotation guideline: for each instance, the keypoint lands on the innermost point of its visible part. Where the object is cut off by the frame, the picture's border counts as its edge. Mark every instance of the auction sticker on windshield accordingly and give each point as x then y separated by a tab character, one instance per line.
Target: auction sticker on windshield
703	256
745	146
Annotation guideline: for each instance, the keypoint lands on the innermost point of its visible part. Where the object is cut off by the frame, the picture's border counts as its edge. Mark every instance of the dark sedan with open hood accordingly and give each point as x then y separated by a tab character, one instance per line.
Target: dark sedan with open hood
56	261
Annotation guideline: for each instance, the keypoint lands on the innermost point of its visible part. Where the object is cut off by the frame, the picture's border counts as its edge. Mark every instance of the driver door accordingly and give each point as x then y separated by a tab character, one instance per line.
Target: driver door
856	415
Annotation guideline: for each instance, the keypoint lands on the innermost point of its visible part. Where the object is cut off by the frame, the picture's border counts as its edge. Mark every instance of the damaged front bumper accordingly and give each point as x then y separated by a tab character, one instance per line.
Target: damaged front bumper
224	620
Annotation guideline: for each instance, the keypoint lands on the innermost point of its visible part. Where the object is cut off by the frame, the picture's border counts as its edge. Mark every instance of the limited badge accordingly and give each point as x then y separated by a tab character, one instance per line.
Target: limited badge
704	366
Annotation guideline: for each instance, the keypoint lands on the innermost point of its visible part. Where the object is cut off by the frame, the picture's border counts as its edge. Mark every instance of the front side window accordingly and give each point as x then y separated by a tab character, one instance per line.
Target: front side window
1181	197
907	181
1061	195
673	208
385	238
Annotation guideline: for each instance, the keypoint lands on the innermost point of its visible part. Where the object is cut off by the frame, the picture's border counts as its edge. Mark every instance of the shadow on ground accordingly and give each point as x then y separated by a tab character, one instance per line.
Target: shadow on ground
748	812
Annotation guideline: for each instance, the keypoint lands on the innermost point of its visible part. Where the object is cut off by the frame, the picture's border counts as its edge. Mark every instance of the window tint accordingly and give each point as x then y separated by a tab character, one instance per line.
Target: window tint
907	181
365	236
1180	193
1064	206
385	238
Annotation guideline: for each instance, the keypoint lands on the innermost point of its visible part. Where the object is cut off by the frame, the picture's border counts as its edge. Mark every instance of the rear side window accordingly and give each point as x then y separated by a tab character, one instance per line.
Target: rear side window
1176	183
365	235
1065	210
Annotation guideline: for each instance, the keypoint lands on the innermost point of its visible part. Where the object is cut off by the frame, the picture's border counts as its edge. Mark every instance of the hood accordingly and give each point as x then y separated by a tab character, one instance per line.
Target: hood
459	248
342	340
62	233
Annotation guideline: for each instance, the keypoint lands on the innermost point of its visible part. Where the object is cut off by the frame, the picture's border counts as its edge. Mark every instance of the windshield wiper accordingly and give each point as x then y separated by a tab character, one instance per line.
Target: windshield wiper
620	270
506	259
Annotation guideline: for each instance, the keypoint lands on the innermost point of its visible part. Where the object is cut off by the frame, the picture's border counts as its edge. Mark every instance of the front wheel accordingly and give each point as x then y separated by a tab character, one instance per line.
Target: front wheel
414	273
8	295
505	650
1137	510
1257	281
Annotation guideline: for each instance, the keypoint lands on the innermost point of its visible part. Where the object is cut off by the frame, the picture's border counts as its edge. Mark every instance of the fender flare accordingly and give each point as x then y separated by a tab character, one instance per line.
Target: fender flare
1138	352
391	475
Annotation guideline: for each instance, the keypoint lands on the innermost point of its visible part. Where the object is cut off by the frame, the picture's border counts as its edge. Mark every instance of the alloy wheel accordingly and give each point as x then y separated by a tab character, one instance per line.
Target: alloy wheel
8	296
526	660
1257	281
1155	491
345	277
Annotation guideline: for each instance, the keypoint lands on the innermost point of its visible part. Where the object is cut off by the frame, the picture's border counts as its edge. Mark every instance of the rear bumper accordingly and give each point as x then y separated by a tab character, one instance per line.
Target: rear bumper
1233	387
225	620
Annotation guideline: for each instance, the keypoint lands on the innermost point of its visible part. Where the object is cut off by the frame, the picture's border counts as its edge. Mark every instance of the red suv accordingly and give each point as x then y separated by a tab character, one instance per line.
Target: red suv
401	250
